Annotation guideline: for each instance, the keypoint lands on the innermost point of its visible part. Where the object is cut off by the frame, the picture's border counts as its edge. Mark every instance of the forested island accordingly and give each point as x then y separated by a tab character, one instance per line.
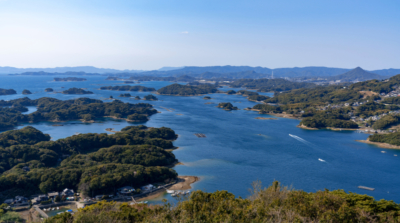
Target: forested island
227	106
76	91
88	163
59	79
127	88
7	91
127	95
149	97
275	203
26	92
48	90
54	110
186	90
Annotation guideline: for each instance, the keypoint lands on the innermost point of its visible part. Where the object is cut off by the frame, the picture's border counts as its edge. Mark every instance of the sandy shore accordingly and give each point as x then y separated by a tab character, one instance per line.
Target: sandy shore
262	118
183	183
305	127
380	144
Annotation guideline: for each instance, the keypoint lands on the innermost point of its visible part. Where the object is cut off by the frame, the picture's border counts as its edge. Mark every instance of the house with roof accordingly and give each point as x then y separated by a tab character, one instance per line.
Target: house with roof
67	192
53	194
126	190
147	187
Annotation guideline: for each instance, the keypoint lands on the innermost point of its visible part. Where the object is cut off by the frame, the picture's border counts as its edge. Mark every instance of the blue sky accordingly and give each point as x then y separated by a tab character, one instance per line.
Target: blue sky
149	34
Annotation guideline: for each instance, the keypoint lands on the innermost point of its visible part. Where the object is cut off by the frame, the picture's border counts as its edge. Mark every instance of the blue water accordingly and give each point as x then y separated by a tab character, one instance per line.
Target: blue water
239	149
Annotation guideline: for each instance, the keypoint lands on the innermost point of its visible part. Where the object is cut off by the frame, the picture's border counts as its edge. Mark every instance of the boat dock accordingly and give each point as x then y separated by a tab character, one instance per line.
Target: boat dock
366	188
200	135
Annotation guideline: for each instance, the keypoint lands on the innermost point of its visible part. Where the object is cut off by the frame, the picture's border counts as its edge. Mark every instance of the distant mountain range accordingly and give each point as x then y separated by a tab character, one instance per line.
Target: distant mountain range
215	72
357	74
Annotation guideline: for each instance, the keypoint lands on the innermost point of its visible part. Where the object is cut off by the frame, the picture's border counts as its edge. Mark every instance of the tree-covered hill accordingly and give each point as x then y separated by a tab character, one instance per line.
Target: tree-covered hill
135	156
127	88
7	91
76	91
186	90
267	85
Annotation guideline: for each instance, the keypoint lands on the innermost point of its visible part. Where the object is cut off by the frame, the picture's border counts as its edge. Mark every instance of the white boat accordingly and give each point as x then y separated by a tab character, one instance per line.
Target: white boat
395	154
188	192
321	160
52	209
58	208
170	191
174	195
383	151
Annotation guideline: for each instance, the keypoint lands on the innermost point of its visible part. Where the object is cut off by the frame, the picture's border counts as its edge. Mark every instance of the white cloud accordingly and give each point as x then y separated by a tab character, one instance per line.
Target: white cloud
185	32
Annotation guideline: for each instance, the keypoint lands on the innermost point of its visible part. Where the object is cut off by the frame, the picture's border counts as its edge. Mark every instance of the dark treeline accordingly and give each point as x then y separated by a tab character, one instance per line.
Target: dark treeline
76	91
391	138
26	92
186	90
127	88
7	91
87	162
386	122
267	85
51	109
273	204
227	106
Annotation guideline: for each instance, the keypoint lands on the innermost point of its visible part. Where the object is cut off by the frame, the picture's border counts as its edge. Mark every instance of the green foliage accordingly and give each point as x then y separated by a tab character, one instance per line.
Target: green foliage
186	90
127	95
51	109
137	118
227	106
76	91
391	100
134	156
247	93
272	204
336	118
391	138
26	92
231	92
386	121
7	91
258	97
268	85
150	97
370	109
127	88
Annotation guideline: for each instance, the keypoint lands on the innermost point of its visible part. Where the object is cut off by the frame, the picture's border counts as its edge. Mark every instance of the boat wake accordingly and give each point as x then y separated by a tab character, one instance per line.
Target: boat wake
301	140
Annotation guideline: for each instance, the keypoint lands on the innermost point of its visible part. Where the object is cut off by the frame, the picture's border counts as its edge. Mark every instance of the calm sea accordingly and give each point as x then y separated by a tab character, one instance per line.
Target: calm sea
239	149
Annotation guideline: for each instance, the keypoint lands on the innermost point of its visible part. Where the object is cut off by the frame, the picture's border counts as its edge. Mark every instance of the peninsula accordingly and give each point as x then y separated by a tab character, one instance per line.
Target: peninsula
187	90
127	88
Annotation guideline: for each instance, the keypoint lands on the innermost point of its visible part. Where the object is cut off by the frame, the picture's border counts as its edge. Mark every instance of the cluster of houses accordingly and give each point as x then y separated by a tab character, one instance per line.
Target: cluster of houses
69	194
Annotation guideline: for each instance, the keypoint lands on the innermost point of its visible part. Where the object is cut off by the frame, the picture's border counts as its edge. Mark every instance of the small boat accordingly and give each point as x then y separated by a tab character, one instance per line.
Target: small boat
58	208
366	188
52	209
174	195
321	160
188	192
395	154
145	202
170	191
383	151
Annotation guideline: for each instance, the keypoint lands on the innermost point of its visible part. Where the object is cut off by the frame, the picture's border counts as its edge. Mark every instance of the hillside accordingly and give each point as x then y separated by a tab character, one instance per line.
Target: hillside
355	75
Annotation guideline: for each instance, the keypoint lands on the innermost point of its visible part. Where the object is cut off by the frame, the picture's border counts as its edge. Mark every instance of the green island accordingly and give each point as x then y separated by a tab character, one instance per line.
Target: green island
227	106
54	110
89	163
59	79
76	91
187	90
26	92
127	88
127	95
275	203
48	90
149	97
369	104
7	91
